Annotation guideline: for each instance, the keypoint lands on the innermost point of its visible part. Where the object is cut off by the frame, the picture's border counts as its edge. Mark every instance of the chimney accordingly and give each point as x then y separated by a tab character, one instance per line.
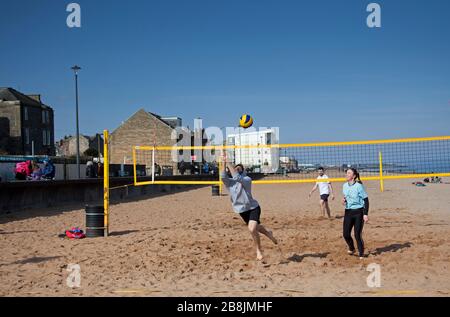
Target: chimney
36	97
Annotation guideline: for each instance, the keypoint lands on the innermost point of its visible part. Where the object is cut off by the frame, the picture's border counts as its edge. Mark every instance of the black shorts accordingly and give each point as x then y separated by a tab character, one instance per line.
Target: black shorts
324	197
253	214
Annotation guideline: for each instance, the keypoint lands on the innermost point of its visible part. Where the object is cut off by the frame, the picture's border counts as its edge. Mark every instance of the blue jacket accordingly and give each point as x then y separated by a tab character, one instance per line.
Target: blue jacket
49	170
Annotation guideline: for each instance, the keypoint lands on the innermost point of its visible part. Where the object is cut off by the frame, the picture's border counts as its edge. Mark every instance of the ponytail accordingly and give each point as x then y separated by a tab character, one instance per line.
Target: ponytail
356	173
358	178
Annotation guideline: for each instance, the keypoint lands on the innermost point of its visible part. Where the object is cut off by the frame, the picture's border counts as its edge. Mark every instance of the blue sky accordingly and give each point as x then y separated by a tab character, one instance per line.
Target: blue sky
312	68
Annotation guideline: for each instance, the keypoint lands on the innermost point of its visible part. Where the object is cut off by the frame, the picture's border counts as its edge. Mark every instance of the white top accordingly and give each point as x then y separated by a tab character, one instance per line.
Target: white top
324	187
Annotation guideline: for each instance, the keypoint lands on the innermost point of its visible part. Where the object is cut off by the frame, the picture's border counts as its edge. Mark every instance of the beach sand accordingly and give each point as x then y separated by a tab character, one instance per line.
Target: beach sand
192	244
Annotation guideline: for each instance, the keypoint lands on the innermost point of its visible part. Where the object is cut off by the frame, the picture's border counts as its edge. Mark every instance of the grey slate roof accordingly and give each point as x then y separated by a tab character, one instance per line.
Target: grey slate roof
10	94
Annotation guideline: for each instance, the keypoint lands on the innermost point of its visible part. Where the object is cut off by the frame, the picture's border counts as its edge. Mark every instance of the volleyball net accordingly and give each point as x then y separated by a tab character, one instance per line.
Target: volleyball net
376	160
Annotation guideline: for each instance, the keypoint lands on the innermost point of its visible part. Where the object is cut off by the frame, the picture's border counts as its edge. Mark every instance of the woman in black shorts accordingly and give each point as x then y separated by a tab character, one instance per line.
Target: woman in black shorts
240	188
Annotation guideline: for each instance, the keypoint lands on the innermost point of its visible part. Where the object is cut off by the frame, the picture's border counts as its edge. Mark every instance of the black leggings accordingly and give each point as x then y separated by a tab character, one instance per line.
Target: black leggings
354	218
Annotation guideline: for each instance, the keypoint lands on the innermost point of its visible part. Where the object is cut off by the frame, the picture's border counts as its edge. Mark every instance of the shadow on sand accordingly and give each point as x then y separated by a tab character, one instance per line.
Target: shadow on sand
37	259
299	258
20	231
392	248
122	233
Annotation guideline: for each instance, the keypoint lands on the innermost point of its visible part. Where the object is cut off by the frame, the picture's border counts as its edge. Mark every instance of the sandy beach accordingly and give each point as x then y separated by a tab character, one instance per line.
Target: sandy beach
192	244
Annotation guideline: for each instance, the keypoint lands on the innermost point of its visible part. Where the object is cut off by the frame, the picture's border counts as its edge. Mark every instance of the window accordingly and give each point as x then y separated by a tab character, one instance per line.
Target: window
45	116
27	136
268	139
49	141
25	113
44	137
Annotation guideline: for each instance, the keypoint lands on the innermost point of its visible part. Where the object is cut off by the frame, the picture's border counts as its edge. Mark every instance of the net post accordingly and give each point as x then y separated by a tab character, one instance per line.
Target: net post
134	165
380	155
220	173
153	165
106	181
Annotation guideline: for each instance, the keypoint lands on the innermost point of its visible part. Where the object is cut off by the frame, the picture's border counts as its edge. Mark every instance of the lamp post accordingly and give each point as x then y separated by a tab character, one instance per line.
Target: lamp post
75	70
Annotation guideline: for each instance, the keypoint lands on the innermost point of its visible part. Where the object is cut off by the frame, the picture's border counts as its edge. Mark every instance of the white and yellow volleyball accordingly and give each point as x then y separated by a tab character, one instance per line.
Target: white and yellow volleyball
246	121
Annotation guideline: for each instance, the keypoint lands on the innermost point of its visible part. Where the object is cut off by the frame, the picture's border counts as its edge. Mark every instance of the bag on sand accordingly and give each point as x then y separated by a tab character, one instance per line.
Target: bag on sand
75	233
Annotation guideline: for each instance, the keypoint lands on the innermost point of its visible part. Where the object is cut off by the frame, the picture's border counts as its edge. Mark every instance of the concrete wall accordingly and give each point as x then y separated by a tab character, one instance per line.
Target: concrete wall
18	196
7	171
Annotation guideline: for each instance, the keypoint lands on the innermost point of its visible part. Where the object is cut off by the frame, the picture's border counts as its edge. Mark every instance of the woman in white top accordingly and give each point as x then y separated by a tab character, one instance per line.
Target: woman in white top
325	190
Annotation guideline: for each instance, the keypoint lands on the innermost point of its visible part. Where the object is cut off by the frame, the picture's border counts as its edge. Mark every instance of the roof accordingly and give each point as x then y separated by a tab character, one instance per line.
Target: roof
150	114
10	94
160	119
88	137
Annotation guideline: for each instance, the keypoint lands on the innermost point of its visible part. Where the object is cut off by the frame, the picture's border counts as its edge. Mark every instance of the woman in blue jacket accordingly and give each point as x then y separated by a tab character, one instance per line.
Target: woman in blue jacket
356	204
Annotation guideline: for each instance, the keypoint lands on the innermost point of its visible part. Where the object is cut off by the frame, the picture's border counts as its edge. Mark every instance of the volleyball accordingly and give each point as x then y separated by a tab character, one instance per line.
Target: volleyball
246	121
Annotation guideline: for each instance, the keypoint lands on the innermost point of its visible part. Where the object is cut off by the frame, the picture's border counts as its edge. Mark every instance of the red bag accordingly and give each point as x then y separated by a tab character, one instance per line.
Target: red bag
75	233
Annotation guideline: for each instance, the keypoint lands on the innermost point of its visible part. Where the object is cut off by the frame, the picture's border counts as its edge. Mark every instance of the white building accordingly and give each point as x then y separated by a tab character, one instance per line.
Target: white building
261	159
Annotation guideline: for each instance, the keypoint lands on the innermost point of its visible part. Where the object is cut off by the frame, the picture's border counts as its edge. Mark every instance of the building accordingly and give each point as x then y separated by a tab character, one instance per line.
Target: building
290	164
26	124
174	122
68	146
261	159
144	128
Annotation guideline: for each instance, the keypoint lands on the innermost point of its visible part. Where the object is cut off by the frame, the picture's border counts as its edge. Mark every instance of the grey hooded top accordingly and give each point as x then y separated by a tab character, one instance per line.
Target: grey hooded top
240	188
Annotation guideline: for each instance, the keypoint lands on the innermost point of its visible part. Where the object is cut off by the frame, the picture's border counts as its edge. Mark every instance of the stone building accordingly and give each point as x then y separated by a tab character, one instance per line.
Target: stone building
142	128
68	146
146	129
26	124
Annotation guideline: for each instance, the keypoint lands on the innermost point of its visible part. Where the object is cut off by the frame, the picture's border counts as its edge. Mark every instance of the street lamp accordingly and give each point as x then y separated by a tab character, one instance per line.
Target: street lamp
75	70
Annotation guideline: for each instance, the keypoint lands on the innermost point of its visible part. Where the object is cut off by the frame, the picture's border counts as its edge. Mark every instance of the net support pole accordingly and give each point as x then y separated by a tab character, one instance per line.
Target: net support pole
220	175
106	181
381	171
153	165
134	166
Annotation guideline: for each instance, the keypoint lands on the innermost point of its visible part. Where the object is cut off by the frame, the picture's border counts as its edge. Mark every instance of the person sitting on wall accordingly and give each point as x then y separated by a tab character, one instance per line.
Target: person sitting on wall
90	170
100	169
157	170
49	171
182	167
206	168
23	170
36	175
